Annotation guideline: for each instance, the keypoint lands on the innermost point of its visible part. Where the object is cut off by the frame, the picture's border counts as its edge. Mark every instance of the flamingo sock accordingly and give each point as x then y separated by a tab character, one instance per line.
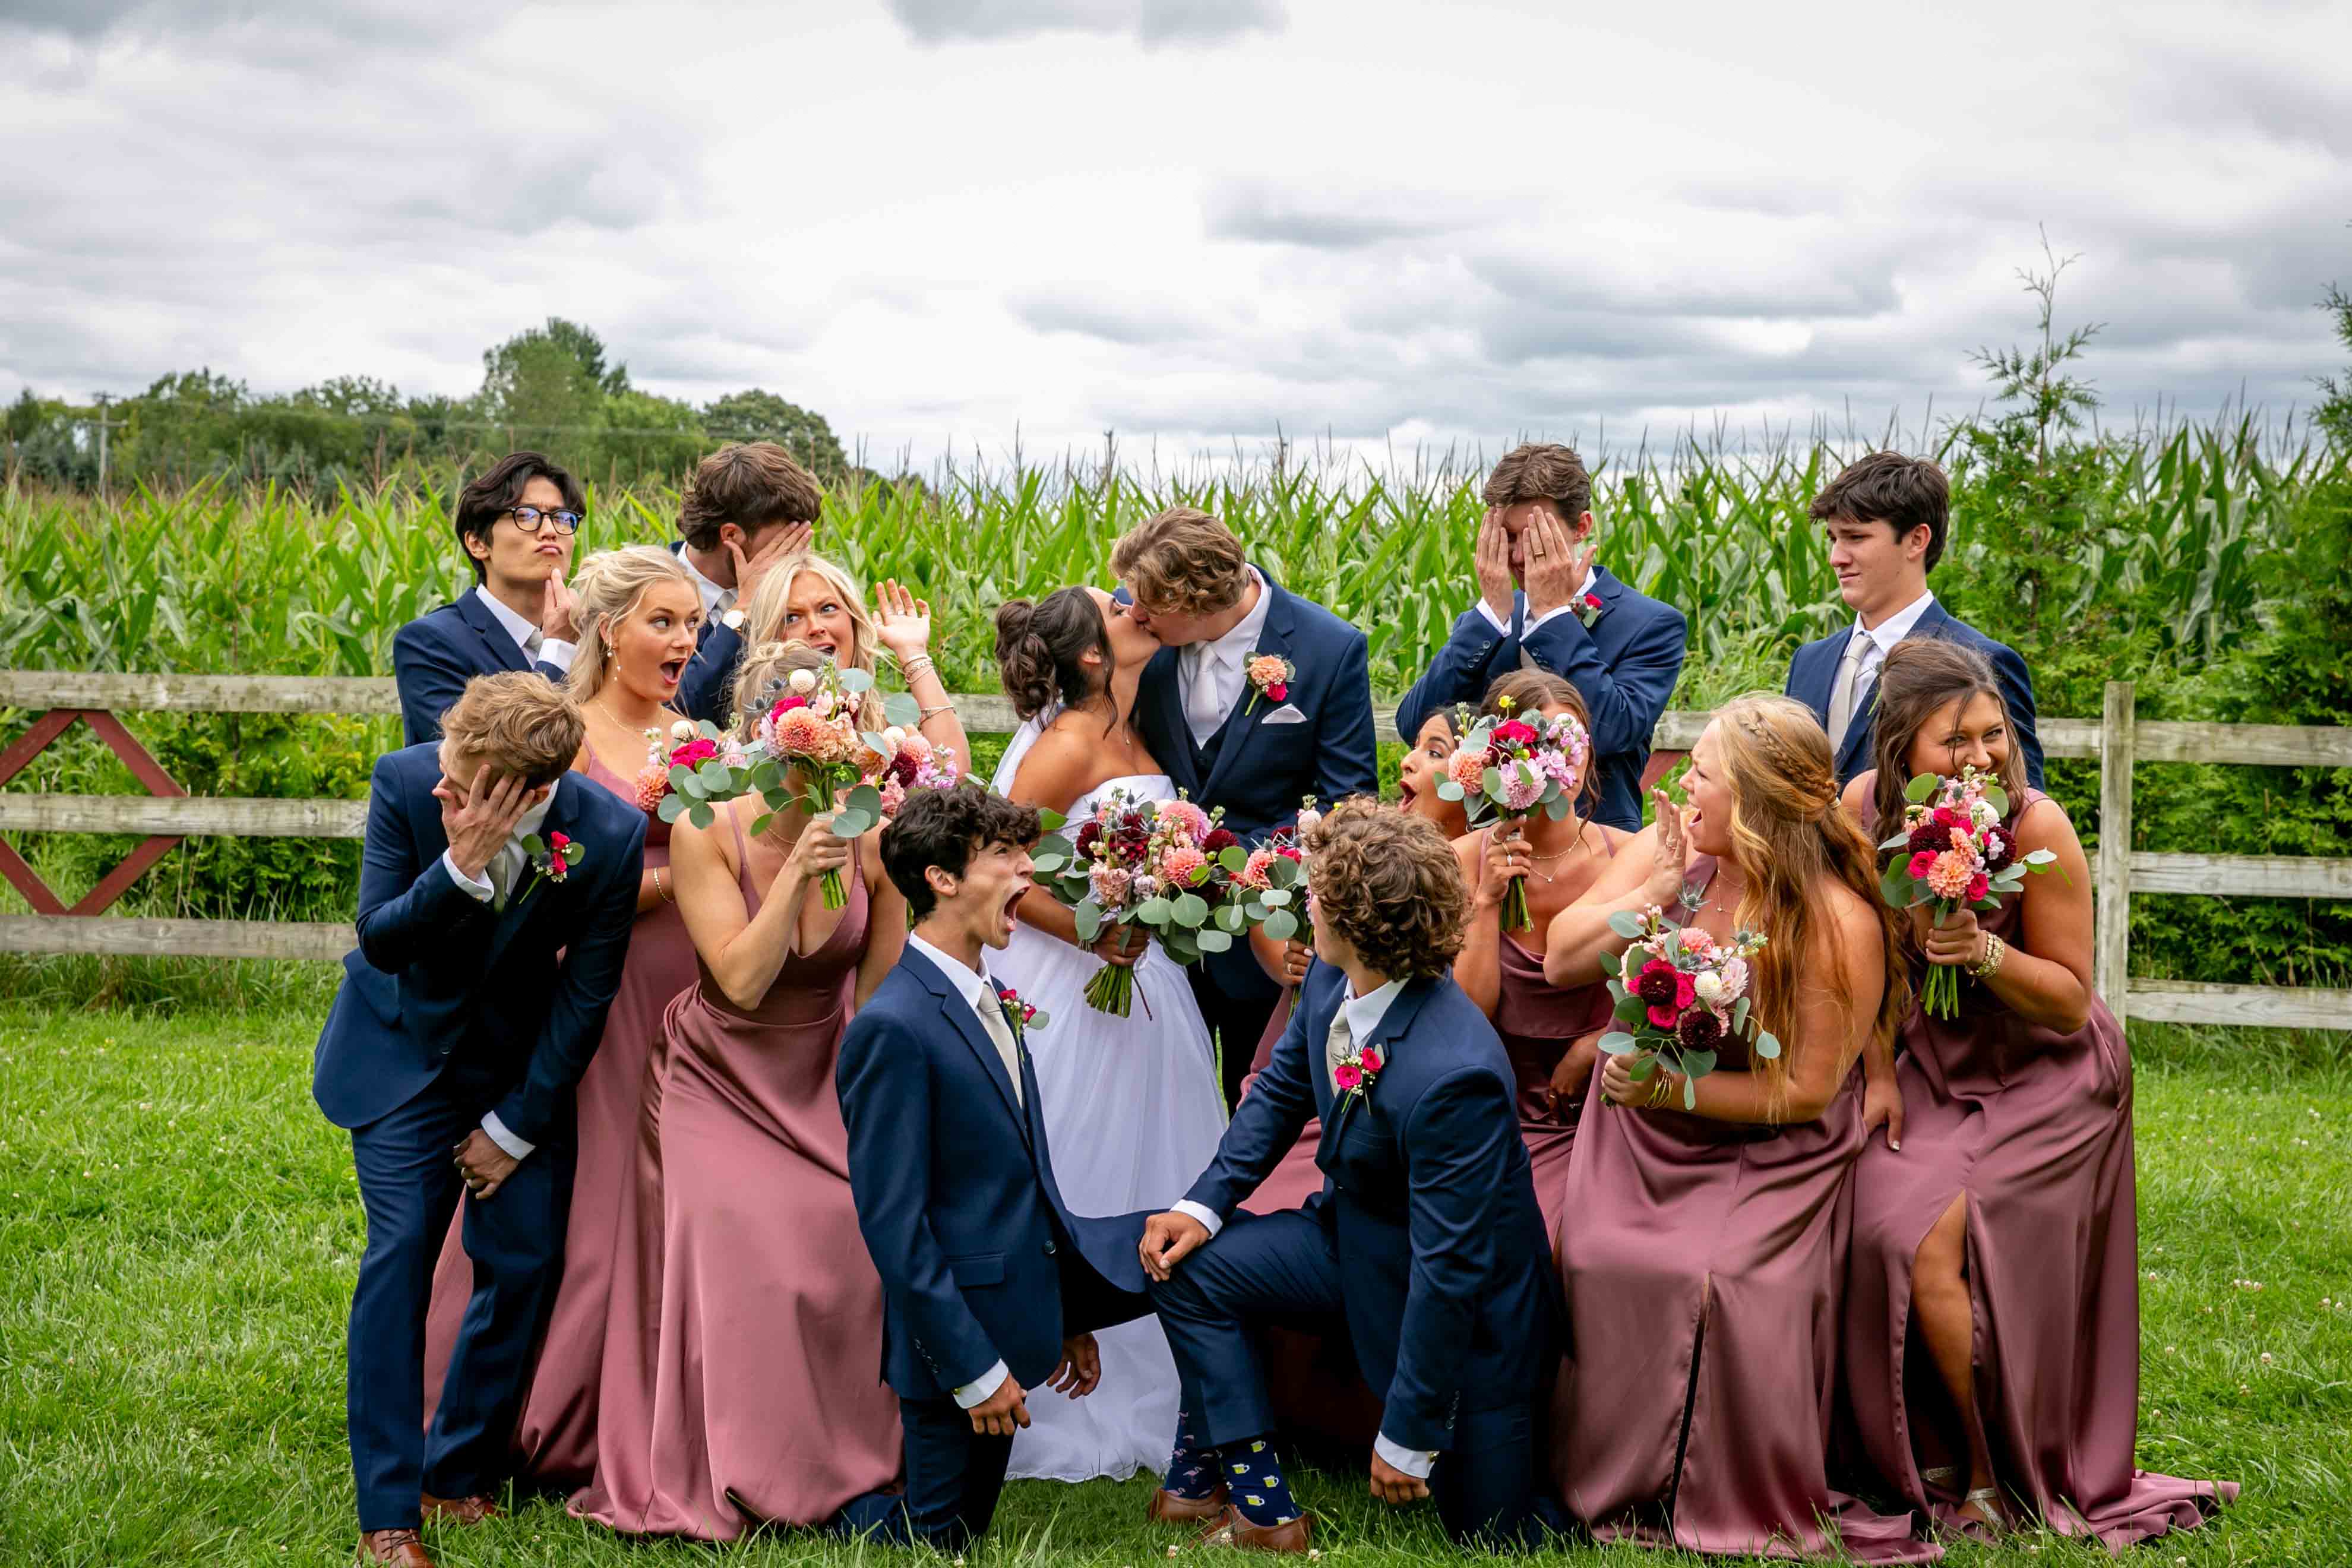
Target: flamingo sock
1192	1468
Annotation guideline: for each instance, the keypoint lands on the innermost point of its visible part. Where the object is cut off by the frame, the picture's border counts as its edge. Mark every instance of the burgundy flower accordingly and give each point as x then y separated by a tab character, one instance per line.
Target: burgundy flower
1656	985
1090	835
1930	838
1700	1030
2000	848
1219	840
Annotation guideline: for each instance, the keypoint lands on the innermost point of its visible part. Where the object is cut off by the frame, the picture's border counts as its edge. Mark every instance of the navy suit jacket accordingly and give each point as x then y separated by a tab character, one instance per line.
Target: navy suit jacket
434	656
703	692
1444	1259
1625	666
439	972
1813	670
955	1191
1261	772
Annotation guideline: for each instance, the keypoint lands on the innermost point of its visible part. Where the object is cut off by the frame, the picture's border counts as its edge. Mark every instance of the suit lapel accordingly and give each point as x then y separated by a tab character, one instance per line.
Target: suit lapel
1249	709
532	892
1932	623
966	1023
504	648
1393	1024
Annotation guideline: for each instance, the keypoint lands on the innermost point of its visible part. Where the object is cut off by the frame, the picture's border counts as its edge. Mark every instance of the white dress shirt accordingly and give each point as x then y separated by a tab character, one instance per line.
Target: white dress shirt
1591	576
1362	1017
979	990
716	601
537	648
495	886
1865	650
1210	676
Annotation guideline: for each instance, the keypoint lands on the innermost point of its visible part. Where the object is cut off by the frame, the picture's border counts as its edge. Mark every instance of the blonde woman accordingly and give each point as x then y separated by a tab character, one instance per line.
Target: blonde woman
638	615
811	600
1702	1251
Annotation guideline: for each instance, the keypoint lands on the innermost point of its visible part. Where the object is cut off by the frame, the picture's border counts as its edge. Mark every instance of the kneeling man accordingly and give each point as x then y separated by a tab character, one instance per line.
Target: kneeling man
1426	1236
990	1286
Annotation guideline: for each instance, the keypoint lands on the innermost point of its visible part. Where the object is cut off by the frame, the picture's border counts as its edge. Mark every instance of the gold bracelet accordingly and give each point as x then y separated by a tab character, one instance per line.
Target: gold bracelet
1658	1089
660	891
1989	966
916	666
931	713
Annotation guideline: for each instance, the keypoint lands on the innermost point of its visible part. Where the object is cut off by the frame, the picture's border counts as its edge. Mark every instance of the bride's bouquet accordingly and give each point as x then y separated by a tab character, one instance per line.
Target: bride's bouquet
1953	854
1510	768
1165	865
1680	995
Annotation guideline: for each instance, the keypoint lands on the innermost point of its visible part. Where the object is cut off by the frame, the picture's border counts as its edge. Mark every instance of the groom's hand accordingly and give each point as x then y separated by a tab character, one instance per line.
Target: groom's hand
1168	1239
1393	1487
483	1165
1001	1412
1081	1367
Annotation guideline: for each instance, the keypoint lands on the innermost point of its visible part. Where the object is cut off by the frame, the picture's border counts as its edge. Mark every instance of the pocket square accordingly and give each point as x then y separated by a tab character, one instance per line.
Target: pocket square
1285	714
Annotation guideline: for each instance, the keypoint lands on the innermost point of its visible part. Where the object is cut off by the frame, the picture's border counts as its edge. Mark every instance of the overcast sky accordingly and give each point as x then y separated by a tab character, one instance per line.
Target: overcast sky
940	221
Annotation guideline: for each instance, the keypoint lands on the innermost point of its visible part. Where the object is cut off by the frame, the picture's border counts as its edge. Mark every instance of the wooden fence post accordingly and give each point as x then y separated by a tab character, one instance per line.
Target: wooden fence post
2111	970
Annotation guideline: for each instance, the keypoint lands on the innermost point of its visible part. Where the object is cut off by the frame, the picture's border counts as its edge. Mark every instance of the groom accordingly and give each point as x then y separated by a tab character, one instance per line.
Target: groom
1425	1238
990	1287
1228	735
474	1002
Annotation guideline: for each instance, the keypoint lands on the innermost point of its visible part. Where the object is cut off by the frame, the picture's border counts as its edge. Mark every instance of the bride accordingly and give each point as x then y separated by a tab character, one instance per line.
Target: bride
1131	1108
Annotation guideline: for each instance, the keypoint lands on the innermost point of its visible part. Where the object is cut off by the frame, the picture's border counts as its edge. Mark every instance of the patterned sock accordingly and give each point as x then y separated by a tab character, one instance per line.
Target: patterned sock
1253	1478
1192	1469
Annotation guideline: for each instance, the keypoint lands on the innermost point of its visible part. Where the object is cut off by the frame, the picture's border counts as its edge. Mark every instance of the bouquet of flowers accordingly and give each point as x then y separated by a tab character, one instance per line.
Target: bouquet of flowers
1510	768
1167	866
811	723
1953	854
1681	993
1273	881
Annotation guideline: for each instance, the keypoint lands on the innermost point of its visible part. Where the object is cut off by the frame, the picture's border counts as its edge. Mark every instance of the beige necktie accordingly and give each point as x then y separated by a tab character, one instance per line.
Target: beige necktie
1843	691
533	644
1000	1030
504	872
1337	1046
1204	713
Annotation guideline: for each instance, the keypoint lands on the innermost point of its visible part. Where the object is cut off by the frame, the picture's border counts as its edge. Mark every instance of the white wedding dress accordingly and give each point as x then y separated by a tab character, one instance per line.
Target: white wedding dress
1132	1117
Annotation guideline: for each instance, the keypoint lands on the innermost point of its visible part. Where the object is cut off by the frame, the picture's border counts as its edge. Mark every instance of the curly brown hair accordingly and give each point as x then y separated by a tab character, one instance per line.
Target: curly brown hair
1387	882
1182	562
1541	471
749	485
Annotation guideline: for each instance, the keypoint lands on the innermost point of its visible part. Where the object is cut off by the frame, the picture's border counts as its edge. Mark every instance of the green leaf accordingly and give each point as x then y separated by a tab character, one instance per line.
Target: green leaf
1739	1014
1629	1009
2041	857
855	682
1052	821
1044	862
1448	789
1641	1071
1232	919
776	799
1190	910
1625	923
1275	899
1152	911
1558	807
1768	1044
901	709
760	823
1921	787
1998	798
1233	858
533	844
851	822
1089	918
1282	872
1613	963
1491	781
1690	1094
700	814
714	774
1281	926
671	807
1894	885
867	799
1616	1043
1213	941
1697	1064
680	775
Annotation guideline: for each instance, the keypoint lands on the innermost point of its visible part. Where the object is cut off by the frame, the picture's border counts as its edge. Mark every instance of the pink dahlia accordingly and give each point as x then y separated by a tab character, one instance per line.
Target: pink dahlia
1186	818
1949	877
1180	864
1468	767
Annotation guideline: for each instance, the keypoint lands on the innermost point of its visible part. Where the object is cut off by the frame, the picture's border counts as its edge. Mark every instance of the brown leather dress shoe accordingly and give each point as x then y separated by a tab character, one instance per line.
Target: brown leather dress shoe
392	1549
460	1510
1232	1530
1167	1508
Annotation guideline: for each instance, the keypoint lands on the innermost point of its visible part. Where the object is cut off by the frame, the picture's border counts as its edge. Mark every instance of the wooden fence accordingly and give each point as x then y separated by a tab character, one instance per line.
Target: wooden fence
167	814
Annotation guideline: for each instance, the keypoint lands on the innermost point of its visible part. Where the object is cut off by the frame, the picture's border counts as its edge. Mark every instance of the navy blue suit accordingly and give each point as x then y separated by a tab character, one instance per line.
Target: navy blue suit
434	656
451	1009
980	1261
1426	1237
1260	772
1813	671
1625	666
704	690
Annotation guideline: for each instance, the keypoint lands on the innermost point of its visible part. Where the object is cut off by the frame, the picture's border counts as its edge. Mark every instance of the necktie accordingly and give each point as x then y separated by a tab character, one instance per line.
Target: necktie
1000	1030
504	871
1846	688
533	644
1204	708
1337	1047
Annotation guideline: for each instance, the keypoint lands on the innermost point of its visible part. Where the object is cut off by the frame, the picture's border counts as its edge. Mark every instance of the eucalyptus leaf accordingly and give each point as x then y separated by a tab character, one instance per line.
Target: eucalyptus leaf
854	682
1190	910
1281	926
672	807
1044	862
1625	923
1152	911
901	709
1690	1094
700	814
715	774
1282	872
1233	859
1089	918
1052	821
868	799
1697	1064
1768	1044
1921	787
1613	963
851	822
679	774
1231	918
1641	1071
1616	1043
1998	798
1274	898
533	844
1212	940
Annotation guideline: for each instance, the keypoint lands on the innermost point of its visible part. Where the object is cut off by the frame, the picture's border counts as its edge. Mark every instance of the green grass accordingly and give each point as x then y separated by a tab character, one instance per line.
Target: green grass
178	1229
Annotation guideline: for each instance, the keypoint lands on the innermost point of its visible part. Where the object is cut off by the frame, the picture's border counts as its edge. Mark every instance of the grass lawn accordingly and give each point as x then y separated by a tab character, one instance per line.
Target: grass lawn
180	1228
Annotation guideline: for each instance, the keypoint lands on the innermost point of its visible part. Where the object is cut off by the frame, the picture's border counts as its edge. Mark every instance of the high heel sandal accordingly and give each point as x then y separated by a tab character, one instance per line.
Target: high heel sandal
1989	1500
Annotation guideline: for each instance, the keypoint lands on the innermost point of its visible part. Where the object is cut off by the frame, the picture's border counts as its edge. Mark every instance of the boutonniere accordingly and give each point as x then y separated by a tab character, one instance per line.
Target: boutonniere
1356	1074
551	859
1589	608
1021	1015
1271	674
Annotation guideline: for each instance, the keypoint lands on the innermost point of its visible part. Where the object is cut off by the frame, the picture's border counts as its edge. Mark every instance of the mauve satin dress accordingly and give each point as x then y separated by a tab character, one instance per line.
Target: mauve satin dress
2033	1129
767	1400
555	1441
1703	1263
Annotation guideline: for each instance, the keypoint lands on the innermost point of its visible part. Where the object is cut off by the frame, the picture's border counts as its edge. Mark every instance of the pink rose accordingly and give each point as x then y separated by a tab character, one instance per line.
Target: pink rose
1664	1017
1347	1076
1921	864
1371	1059
1979	886
1278	692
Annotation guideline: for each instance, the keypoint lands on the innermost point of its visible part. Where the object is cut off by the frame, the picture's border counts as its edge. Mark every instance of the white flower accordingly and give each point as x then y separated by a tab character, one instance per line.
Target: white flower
802	681
1308	817
683	729
1980	811
1143	887
894	737
1709	988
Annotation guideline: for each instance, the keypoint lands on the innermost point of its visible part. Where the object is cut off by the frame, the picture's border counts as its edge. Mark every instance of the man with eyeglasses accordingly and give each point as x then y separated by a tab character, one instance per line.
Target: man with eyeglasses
518	524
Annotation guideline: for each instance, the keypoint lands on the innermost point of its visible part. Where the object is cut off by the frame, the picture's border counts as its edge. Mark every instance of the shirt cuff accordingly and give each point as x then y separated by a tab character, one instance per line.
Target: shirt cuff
558	654
1411	1462
1202	1211
981	1389
516	1147
474	888
1502	627
1553	614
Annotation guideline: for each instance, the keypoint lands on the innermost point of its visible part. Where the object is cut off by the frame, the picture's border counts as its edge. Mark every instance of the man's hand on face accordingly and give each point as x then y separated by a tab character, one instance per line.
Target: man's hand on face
478	826
1497	584
1557	562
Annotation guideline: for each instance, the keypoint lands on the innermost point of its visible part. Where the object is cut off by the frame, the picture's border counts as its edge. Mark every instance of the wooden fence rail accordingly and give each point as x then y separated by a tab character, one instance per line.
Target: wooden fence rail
2116	741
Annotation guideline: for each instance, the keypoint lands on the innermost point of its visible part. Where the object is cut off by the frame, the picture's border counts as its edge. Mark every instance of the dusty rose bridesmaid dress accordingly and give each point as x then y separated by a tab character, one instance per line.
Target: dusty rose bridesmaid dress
556	1439
2034	1131
1702	1262
767	1401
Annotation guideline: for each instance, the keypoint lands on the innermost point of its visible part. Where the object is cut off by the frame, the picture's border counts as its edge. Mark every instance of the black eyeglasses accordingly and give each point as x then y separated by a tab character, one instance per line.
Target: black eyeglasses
529	518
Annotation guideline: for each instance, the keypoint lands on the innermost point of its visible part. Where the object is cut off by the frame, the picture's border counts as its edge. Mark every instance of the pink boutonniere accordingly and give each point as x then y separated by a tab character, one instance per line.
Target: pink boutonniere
1589	608
1271	674
1021	1016
1356	1074
551	859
